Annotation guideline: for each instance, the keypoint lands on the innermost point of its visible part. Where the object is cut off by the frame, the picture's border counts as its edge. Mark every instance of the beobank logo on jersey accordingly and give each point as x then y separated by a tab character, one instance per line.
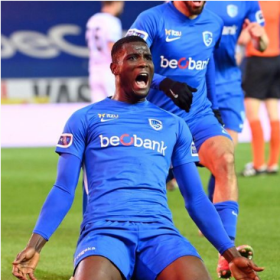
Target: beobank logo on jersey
133	140
183	63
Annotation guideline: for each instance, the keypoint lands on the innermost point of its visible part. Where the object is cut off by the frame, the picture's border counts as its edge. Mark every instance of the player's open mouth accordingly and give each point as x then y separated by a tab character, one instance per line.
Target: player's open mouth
198	3
142	80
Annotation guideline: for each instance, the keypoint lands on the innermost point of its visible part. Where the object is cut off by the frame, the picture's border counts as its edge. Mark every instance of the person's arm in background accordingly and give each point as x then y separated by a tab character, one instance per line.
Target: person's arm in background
56	206
207	219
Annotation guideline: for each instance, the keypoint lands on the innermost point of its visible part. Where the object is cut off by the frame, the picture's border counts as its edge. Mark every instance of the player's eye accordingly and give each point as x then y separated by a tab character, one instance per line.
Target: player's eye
132	57
148	57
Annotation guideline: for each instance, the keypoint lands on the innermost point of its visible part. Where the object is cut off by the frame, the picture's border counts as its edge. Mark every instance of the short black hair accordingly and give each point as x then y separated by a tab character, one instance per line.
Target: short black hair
126	40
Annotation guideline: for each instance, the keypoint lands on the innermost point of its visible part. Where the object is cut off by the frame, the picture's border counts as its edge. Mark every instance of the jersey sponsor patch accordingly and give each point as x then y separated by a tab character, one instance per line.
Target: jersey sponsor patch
155	124
172	35
194	150
65	140
135	32
107	117
232	10
207	38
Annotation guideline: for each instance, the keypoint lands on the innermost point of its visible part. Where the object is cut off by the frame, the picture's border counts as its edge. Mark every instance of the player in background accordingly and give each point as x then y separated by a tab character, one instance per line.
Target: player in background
103	30
229	92
127	230
182	37
261	83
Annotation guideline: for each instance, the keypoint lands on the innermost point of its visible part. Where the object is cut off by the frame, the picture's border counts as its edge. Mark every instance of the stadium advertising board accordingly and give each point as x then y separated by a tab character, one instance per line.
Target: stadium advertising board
44	56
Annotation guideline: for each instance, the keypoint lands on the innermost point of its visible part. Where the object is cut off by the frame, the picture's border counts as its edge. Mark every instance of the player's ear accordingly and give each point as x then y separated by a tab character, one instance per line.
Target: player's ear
114	68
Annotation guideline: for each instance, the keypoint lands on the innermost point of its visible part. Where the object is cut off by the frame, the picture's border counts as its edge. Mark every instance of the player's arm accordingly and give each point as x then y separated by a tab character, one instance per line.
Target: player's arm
253	27
208	221
253	31
211	89
56	206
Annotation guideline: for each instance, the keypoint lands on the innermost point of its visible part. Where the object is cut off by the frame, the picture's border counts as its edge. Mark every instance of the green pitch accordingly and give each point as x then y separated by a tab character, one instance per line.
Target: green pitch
28	175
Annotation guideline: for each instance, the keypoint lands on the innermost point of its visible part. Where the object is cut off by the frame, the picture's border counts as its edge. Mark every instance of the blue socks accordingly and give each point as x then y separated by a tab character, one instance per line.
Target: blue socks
228	211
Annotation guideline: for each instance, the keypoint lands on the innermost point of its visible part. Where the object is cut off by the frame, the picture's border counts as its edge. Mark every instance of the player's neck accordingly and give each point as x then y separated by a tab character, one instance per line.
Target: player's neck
130	98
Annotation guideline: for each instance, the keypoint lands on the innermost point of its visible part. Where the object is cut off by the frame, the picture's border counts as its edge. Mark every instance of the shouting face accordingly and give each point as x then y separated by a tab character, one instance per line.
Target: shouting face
134	70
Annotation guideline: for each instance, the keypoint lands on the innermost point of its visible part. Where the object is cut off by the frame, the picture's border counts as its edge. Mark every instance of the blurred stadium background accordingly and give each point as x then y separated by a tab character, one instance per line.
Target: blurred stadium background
44	69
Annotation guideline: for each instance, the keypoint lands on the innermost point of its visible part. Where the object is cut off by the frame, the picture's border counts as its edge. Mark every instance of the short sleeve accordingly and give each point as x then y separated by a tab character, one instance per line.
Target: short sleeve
254	13
184	150
73	139
145	26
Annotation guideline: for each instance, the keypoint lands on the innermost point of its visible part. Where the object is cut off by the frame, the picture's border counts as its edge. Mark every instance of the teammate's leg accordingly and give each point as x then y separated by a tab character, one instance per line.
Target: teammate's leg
211	183
97	268
185	268
272	110
217	154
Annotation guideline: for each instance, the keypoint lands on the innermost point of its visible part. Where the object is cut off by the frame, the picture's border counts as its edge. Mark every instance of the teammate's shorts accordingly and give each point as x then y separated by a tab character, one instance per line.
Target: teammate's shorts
233	112
205	126
138	250
261	78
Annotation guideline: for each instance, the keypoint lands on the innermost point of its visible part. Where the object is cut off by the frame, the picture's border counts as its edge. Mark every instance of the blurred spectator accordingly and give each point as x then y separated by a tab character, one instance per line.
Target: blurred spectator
261	83
103	30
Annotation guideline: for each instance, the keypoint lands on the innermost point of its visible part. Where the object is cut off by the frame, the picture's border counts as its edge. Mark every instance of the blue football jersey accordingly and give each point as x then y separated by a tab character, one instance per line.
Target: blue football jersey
181	49
233	13
126	152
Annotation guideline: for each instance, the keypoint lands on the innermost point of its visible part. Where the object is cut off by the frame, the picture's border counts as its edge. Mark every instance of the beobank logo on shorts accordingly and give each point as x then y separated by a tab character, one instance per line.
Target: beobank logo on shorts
133	140
183	63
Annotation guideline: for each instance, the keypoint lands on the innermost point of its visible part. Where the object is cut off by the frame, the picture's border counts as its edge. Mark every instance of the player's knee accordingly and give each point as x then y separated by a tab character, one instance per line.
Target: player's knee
225	162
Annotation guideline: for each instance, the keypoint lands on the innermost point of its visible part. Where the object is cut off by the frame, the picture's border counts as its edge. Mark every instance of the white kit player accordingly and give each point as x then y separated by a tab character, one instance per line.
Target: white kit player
103	30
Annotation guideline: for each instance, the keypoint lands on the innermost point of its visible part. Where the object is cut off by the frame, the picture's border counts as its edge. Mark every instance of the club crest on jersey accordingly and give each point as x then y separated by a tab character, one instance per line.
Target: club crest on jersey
136	32
155	124
232	10
194	150
207	38
65	140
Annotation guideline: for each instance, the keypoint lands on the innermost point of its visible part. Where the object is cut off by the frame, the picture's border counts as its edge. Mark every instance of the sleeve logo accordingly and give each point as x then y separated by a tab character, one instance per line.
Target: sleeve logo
193	150
259	17
136	32
65	140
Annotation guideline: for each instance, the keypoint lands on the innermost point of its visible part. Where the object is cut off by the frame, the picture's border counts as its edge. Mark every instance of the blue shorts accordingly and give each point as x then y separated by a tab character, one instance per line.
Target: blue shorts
205	126
138	250
233	112
230	98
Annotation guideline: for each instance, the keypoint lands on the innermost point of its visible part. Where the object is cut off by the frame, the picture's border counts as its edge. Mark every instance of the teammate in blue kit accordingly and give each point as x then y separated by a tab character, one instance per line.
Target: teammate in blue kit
183	37
230	95
125	146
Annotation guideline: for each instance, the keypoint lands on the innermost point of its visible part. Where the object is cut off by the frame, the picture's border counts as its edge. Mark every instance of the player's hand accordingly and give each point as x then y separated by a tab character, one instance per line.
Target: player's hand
218	116
25	264
254	29
244	269
180	93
